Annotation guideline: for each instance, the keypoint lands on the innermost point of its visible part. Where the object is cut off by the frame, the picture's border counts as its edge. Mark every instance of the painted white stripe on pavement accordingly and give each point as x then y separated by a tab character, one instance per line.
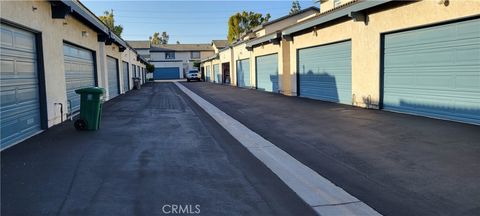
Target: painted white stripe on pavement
321	194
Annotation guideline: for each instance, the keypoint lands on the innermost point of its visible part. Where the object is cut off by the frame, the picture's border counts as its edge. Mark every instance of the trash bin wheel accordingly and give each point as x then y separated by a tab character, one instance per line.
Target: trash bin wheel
80	124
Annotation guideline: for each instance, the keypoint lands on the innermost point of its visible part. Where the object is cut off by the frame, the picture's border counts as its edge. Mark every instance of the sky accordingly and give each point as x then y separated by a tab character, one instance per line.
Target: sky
191	21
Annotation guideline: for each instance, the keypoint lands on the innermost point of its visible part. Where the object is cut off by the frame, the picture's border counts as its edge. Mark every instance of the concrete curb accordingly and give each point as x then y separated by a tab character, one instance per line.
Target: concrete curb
321	194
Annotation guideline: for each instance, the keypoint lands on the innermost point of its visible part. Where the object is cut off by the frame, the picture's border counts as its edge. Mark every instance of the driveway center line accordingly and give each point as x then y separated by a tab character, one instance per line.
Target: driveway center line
321	194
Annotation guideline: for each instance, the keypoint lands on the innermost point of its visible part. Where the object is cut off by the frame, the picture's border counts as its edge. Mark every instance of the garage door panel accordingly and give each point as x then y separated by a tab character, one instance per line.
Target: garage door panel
434	71
126	80
267	73
166	73
19	91
207	73
243	73
79	73
112	66
325	72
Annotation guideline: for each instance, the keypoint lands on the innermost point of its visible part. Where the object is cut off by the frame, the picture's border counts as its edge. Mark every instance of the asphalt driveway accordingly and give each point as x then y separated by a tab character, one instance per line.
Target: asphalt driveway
398	164
155	148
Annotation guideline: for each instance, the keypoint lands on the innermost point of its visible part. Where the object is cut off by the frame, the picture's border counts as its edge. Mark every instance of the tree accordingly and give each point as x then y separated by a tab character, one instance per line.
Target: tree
178	42
150	68
295	7
242	22
109	20
156	39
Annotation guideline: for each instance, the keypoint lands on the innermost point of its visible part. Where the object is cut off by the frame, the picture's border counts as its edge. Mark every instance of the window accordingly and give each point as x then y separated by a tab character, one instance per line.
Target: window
195	55
169	55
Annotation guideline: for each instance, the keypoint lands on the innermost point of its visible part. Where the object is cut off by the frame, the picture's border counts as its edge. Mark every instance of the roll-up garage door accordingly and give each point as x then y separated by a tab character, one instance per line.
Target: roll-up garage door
207	73
79	73
434	71
113	88
267	72
126	80
134	71
216	74
243	73
20	103
325	72
166	73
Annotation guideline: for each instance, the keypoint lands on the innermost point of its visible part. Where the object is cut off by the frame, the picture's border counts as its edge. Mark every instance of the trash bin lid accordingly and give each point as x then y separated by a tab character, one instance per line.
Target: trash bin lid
91	90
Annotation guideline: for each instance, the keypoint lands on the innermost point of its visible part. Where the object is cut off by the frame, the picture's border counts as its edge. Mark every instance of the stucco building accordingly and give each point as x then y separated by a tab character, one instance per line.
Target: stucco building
48	49
172	61
416	57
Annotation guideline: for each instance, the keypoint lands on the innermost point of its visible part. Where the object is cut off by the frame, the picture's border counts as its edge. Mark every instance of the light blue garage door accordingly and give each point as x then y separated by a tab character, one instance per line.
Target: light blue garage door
126	80
112	66
207	73
267	73
79	73
166	73
243	73
434	71
20	103
325	72
216	74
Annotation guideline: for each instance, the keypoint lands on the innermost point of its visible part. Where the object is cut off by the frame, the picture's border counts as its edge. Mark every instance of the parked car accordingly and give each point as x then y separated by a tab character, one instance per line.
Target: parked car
193	75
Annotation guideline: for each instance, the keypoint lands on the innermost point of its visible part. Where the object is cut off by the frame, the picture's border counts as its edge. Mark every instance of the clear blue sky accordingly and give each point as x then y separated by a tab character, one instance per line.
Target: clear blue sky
185	21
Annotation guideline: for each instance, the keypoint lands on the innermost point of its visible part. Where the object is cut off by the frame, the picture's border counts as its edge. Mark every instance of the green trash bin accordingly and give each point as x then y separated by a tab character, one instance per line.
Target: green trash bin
90	108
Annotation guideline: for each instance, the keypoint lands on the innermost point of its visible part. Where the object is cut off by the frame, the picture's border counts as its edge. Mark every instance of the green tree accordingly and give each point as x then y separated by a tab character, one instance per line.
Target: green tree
245	21
164	38
157	39
108	19
150	68
178	42
295	7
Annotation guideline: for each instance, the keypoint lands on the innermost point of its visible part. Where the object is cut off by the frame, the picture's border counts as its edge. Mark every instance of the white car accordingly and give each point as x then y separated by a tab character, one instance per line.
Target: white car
193	75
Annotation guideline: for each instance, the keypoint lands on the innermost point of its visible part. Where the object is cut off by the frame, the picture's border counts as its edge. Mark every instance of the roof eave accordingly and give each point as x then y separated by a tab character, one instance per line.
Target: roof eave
342	12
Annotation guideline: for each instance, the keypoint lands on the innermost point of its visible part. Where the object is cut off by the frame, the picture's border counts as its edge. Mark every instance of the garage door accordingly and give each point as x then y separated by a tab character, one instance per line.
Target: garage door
216	74
20	103
243	73
126	79
434	71
79	73
166	73
113	88
207	73
267	73
325	72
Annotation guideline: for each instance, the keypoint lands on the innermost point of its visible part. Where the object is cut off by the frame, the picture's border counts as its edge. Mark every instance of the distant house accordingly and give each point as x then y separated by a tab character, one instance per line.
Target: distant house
172	61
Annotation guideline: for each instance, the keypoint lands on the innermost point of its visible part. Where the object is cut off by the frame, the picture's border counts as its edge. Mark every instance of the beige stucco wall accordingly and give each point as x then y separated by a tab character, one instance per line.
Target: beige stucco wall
330	4
239	52
225	56
366	39
206	54
36	15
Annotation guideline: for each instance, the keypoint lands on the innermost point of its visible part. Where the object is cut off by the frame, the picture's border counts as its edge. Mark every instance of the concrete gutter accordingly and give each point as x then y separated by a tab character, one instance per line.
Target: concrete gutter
322	195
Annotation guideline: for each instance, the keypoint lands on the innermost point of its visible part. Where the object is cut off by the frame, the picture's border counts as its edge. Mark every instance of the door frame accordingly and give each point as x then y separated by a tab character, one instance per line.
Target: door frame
118	75
42	90
256	69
